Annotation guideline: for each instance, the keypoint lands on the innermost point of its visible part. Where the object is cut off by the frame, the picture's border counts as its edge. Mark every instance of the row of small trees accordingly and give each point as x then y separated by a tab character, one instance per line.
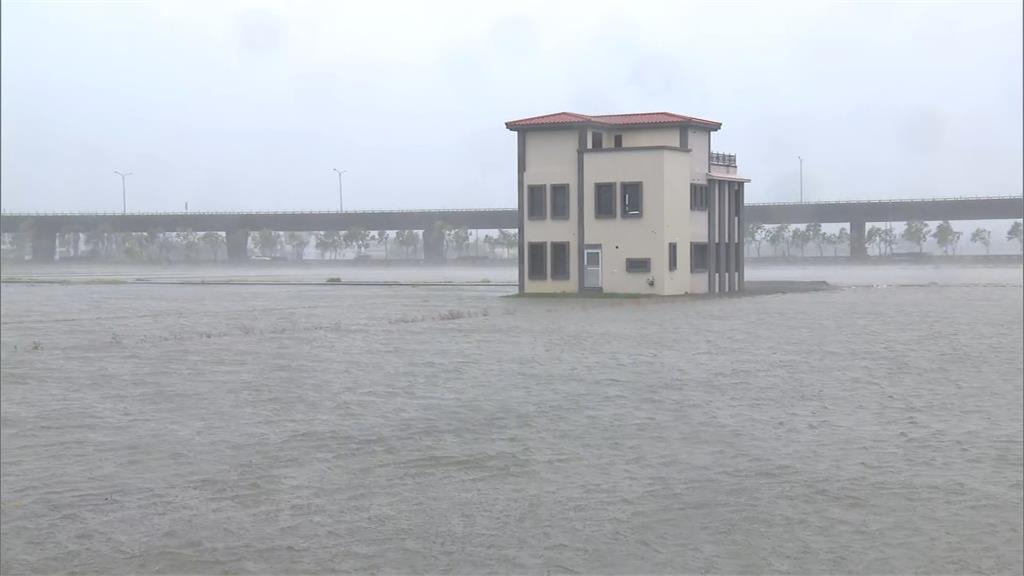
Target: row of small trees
158	245
784	239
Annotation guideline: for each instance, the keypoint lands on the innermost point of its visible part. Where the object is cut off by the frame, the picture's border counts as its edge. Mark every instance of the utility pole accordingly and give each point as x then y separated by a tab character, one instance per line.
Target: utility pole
800	158
341	205
124	196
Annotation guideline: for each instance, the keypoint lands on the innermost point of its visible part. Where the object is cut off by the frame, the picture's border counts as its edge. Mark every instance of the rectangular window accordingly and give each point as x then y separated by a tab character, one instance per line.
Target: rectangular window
632	199
596	140
673	256
618	140
559	260
537	260
559	201
604	200
684	137
698	197
698	257
642	265
535	200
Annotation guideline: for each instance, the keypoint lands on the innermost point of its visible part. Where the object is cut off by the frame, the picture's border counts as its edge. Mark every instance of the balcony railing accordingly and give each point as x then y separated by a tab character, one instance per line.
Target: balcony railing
720	159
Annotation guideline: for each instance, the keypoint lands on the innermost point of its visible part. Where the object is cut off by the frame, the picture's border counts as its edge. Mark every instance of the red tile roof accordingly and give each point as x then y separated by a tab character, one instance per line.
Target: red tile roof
633	120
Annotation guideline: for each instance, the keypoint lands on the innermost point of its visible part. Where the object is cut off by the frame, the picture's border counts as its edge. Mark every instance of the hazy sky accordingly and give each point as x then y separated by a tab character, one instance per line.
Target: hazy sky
248	105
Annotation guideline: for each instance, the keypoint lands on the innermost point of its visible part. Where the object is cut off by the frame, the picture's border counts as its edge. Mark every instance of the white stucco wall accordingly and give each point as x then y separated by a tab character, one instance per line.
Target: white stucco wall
699	147
665	219
551	159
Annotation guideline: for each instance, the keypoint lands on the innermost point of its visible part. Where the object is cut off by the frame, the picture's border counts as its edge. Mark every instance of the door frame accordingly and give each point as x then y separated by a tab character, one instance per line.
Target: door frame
593	248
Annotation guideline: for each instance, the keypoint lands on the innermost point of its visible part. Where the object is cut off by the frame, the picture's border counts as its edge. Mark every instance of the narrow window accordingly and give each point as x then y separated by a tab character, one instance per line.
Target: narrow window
698	257
559	260
596	139
684	137
618	140
537	256
698	197
559	201
604	200
632	199
535	199
641	265
672	256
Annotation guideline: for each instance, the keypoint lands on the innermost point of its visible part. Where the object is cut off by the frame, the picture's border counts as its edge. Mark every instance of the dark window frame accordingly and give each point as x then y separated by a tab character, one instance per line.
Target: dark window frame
617	140
531	273
673	256
551	197
638	265
542	205
597	139
640	196
559	275
597	201
695	249
699	197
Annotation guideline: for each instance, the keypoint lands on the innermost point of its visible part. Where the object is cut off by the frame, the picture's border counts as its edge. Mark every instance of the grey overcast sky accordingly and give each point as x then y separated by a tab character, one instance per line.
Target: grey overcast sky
248	105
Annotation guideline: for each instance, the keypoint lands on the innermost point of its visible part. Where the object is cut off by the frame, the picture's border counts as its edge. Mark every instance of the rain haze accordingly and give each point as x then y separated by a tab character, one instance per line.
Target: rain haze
248	105
511	287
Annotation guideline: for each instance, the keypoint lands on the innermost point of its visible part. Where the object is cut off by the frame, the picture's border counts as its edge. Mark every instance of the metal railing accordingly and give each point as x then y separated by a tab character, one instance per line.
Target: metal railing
885	201
722	159
263	212
464	210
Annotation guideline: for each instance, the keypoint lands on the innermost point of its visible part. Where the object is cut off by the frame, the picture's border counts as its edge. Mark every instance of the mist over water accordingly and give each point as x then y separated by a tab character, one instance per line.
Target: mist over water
250	428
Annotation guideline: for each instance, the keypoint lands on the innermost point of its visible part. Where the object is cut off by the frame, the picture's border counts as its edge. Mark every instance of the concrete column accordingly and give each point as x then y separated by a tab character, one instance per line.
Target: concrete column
741	235
238	245
44	245
730	247
712	238
723	238
858	249
433	244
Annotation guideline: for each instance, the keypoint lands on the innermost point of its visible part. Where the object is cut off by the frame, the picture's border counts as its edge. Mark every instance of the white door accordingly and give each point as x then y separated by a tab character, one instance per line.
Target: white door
592	268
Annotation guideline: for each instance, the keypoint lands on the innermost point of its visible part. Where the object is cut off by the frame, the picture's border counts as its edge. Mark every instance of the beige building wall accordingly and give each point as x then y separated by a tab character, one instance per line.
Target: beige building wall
551	159
700	146
646	137
622	238
677	223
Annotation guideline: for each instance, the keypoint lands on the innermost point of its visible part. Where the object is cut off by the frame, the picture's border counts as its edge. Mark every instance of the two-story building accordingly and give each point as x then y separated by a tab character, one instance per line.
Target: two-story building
627	203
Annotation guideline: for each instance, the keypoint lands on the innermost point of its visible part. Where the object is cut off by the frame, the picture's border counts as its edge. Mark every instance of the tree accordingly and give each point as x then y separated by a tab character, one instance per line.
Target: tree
328	242
382	238
888	239
101	240
356	237
755	234
814	234
213	242
778	237
1016	232
875	236
408	241
798	237
842	237
490	242
188	240
946	237
457	238
983	237
916	232
268	242
132	246
297	241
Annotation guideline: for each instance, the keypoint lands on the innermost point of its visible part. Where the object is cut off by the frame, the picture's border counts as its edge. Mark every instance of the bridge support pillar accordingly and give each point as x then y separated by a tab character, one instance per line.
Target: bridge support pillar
433	244
858	247
238	245
44	245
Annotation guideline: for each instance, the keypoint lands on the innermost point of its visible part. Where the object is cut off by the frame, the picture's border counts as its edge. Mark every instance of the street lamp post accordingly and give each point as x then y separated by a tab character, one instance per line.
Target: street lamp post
341	205
124	196
801	159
